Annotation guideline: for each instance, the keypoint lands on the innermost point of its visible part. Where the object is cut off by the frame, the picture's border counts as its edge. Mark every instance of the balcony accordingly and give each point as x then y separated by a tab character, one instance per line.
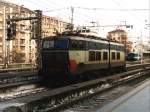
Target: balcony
1	35
22	31
1	12
22	44
1	19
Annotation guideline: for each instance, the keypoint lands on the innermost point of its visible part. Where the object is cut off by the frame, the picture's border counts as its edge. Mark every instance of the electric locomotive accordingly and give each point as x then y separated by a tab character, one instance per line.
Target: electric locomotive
73	55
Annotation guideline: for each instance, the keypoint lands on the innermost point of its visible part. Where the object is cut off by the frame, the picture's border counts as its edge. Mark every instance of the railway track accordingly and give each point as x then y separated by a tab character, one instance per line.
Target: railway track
21	91
57	99
11	78
90	89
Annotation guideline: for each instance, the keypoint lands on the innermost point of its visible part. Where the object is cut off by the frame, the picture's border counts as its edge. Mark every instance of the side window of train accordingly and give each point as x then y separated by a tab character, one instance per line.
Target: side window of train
84	45
113	47
97	46
87	45
80	44
122	48
48	44
91	45
98	55
113	57
61	43
118	55
91	55
73	44
105	56
77	44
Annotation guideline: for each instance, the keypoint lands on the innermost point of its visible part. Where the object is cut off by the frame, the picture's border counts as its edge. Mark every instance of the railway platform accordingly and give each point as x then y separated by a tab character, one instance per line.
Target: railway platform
137	100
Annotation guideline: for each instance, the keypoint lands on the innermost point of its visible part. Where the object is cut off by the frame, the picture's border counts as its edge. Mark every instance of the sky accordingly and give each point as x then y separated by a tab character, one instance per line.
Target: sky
102	12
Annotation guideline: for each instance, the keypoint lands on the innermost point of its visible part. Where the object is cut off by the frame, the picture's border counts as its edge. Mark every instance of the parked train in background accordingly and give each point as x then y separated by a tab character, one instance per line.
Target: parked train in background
133	56
75	54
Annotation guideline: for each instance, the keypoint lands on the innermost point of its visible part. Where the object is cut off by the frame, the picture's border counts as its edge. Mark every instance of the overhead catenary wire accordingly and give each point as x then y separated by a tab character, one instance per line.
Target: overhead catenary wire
63	13
108	9
54	10
54	3
101	9
133	15
41	6
46	6
47	10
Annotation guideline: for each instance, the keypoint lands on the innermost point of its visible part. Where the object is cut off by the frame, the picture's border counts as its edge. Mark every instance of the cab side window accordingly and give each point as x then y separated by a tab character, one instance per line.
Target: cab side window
118	55
113	57
105	55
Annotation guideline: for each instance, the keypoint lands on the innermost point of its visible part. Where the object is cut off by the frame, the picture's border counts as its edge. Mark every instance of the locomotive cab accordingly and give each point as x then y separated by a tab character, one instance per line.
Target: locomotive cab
55	57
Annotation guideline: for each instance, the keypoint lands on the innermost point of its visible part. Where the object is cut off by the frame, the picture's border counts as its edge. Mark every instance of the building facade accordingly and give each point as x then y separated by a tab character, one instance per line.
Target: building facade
51	26
122	37
23	49
20	49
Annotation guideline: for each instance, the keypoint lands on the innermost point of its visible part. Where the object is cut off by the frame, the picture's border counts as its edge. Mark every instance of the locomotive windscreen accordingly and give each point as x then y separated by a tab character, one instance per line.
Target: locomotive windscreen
56	44
61	43
48	44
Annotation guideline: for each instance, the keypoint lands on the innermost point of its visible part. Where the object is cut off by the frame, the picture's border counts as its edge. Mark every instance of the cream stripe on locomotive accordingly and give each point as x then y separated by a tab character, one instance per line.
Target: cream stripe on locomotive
114	57
117	62
90	55
117	55
99	56
83	57
78	56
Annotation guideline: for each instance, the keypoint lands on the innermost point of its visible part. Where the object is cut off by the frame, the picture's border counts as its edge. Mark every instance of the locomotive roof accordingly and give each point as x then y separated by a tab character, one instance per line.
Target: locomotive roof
79	36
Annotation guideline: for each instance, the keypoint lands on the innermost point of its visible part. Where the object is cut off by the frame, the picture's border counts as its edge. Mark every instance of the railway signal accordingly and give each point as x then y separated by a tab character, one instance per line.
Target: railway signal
11	29
36	25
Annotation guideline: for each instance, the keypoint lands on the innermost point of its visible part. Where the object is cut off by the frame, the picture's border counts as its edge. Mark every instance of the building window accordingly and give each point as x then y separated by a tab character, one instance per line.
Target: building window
22	55
22	41
1	48
22	48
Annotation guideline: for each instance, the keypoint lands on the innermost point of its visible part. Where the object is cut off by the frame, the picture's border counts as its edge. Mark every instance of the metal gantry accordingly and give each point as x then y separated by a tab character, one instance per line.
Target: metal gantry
11	33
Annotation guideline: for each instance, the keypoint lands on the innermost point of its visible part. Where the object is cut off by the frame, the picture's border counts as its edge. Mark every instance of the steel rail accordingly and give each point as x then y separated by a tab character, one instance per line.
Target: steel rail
20	78
94	91
84	89
56	99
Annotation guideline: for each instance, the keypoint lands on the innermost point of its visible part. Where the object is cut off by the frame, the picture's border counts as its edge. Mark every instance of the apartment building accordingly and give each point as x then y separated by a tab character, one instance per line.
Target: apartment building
51	26
23	48
1	34
19	50
120	36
